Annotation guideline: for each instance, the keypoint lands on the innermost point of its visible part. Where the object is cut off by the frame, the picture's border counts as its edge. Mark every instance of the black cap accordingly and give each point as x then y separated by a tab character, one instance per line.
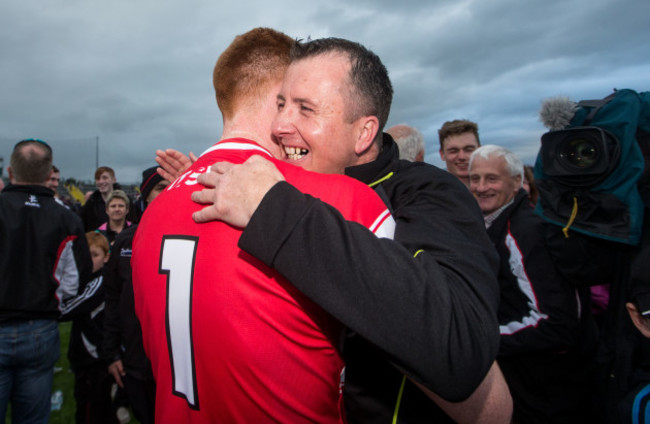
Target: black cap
149	180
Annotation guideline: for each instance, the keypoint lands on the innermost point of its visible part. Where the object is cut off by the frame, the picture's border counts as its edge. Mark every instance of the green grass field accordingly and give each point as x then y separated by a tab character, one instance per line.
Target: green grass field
64	381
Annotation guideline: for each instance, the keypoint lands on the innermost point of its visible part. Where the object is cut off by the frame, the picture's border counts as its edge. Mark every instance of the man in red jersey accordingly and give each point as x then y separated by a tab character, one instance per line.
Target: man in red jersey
229	339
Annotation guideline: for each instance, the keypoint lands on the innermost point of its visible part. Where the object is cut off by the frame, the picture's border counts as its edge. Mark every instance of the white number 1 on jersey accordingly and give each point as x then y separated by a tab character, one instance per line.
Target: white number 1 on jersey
177	261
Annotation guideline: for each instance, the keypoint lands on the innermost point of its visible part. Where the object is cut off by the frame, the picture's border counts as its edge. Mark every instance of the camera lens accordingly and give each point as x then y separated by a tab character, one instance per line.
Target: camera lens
580	156
580	153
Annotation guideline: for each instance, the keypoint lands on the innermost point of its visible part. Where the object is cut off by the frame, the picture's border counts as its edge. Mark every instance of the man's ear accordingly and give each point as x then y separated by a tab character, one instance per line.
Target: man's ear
640	323
11	175
367	130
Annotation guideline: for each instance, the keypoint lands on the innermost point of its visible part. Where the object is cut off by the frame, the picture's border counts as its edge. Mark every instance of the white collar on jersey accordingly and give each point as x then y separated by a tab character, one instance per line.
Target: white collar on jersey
234	145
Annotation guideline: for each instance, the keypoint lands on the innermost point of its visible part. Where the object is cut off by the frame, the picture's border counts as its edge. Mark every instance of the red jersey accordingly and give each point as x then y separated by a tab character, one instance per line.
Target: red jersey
229	339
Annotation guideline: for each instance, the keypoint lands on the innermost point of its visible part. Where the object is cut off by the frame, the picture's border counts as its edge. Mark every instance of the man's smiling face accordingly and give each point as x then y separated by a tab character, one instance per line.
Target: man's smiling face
491	183
105	183
312	125
456	152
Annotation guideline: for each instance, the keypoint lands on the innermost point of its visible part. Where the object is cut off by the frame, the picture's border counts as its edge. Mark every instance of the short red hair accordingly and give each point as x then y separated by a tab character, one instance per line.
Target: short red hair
97	239
248	66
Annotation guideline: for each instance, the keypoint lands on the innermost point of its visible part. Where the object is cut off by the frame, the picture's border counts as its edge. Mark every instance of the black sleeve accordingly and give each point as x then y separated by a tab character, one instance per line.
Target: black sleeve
113	287
85	214
81	253
83	303
428	299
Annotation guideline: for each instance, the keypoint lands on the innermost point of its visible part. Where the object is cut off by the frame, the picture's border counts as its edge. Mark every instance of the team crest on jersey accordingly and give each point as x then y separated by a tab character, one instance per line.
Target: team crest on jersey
32	201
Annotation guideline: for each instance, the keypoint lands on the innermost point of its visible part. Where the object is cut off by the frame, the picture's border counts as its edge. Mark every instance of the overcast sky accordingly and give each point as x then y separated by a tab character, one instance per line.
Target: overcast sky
133	76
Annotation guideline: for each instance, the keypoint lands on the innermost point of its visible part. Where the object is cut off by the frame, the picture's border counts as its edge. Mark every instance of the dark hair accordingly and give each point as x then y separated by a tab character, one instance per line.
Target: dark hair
457	127
371	91
31	161
529	175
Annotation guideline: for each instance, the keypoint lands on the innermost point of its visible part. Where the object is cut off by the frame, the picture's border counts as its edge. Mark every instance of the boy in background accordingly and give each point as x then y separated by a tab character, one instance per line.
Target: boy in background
92	389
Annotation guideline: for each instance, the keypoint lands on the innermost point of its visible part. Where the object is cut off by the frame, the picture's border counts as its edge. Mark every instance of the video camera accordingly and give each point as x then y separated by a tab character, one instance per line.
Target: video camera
588	166
581	156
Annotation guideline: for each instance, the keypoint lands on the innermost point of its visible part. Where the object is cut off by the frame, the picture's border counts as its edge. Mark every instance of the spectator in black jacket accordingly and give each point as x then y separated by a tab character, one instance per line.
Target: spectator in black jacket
626	337
123	347
43	256
92	384
541	315
635	406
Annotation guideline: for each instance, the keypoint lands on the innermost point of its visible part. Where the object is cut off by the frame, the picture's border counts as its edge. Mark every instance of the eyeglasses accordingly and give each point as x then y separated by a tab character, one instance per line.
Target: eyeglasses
27	140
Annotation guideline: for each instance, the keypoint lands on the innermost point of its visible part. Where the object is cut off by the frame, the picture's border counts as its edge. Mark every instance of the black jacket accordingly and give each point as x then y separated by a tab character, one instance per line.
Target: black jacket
548	335
122	331
86	310
43	253
427	300
624	353
549	317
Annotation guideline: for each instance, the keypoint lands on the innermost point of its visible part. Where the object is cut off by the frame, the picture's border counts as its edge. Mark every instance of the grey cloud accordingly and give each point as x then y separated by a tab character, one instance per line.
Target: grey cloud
138	74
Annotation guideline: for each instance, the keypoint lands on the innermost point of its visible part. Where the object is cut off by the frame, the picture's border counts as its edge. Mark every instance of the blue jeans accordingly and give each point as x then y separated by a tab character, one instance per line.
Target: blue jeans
28	352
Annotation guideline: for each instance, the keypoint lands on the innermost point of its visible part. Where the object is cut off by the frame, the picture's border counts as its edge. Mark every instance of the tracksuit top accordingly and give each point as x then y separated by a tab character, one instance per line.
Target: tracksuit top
43	253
